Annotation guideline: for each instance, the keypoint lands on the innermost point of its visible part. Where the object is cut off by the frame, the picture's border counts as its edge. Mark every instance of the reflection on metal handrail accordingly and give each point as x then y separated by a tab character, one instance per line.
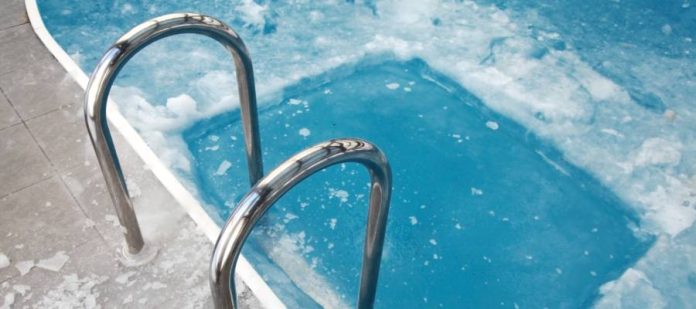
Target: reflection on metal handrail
116	57
269	189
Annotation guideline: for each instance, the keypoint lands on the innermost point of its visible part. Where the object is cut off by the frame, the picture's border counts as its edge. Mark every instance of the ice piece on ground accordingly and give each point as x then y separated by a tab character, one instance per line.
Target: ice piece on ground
73	292
9	301
125	277
133	188
24	266
222	169
22	289
4	260
113	219
54	263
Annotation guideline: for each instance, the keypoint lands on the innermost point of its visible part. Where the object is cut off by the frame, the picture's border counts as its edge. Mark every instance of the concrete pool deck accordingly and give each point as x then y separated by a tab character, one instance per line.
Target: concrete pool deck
57	225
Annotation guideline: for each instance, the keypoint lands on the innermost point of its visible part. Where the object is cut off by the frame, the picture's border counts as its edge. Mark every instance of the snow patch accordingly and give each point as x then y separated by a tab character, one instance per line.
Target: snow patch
658	152
24	267
4	260
74	292
634	283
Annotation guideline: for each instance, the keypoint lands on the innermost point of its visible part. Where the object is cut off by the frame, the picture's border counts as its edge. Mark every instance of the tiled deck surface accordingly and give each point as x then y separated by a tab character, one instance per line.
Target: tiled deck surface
53	202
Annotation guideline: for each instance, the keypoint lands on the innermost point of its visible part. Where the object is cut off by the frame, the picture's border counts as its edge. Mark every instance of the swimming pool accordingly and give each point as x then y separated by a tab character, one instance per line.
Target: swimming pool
464	99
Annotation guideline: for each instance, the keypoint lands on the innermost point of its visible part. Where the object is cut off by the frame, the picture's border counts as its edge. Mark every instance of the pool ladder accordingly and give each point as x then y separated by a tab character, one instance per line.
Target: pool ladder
265	191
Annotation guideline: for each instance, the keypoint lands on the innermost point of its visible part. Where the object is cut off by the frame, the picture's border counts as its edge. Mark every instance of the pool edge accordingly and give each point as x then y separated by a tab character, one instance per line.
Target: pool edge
193	208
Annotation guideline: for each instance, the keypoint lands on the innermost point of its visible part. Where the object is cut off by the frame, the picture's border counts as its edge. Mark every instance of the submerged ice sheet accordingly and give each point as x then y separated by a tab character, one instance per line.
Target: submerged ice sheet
612	89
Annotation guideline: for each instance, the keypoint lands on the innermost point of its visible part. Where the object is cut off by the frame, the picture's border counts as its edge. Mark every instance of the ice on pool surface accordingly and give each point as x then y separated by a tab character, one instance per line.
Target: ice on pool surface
611	89
497	219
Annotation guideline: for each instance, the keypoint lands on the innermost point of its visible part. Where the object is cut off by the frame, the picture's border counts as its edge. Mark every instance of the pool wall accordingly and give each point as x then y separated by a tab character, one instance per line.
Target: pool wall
193	207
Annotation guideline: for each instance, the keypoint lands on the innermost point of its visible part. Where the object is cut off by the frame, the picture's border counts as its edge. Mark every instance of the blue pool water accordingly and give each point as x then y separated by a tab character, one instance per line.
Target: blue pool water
541	157
481	217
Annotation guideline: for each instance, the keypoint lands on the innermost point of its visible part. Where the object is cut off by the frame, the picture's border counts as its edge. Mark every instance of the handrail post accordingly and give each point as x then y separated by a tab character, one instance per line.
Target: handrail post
278	182
105	73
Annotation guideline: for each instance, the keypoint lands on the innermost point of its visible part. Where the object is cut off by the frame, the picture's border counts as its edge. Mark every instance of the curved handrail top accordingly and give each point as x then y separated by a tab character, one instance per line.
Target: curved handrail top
103	76
278	182
154	30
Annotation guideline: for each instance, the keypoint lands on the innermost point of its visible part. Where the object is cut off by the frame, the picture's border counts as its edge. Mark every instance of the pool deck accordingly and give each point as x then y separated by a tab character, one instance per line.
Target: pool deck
55	212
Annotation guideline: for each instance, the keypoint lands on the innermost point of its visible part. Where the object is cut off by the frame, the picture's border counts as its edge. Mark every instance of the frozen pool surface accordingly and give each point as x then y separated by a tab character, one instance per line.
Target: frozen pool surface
611	89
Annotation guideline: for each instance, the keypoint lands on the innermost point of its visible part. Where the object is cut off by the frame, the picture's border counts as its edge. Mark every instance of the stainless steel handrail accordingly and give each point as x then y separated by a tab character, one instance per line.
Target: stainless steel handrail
116	57
269	189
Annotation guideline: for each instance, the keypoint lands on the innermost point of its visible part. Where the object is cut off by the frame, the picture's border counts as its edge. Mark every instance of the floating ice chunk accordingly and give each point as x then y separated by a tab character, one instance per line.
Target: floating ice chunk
289	217
666	29
252	13
294	102
340	194
223	167
332	223
413	220
659	152
492	125
182	105
392	86
4	260
433	242
212	148
304	132
632	289
127	9
476	191
24	266
54	263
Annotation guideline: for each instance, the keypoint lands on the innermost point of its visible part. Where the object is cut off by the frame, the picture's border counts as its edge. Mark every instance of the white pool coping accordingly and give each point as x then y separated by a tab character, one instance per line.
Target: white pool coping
193	207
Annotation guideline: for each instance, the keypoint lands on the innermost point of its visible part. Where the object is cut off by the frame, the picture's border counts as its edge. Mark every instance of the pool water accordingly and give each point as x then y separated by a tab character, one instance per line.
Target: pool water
542	157
483	213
